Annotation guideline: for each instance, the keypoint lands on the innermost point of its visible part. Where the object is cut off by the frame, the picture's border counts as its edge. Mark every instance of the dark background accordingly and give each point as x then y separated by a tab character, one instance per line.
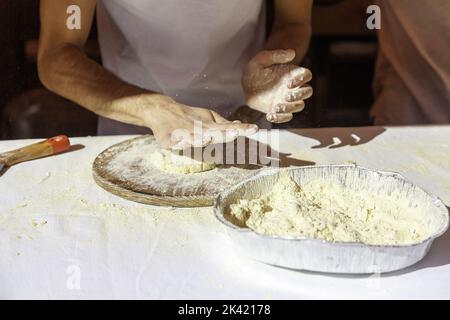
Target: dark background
342	57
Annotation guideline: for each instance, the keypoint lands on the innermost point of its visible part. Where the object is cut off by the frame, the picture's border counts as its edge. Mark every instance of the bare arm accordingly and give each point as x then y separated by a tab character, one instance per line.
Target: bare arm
292	27
65	69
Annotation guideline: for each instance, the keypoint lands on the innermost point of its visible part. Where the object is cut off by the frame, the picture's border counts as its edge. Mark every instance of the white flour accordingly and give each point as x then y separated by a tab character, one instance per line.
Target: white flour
323	210
167	161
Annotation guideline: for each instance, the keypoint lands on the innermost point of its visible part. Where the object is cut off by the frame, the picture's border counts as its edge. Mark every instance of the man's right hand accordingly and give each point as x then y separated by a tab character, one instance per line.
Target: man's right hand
178	126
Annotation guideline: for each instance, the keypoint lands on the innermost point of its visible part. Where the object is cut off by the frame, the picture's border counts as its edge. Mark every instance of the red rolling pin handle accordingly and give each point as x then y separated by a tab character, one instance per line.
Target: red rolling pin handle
59	143
41	149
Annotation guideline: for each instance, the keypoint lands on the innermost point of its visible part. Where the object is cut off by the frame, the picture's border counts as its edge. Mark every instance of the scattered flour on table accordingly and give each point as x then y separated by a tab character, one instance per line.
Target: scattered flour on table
325	210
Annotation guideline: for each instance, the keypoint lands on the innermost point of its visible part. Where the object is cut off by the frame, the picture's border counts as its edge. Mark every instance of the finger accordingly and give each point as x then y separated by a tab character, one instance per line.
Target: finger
201	140
299	77
279	117
236	129
217	133
299	94
193	141
226	133
289	107
222	136
268	58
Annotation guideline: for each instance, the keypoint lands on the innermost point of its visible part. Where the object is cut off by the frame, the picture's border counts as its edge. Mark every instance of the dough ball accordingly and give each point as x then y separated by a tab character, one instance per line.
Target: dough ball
172	163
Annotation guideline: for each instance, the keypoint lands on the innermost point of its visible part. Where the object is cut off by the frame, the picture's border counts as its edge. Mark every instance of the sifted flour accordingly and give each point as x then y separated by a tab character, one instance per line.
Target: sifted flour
325	210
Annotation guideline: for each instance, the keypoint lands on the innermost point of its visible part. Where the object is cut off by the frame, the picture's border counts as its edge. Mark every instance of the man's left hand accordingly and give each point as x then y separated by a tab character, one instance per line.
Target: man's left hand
275	86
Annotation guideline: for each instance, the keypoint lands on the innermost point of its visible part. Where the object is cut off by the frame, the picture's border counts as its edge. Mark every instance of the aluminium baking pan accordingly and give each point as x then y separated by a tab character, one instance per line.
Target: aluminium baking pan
332	257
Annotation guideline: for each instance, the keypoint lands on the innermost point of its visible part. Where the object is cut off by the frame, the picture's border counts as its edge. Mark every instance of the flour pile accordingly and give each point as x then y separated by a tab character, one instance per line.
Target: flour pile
326	210
167	161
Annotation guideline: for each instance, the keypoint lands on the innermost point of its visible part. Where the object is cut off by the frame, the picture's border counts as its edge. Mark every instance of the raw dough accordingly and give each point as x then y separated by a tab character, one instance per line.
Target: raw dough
172	163
325	210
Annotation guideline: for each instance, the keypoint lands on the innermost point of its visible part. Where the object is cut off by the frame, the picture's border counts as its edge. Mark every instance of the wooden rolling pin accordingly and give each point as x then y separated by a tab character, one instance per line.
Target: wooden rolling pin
34	151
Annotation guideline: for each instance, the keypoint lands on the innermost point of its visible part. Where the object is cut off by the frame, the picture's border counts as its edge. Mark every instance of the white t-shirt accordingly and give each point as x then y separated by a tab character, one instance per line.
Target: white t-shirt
412	82
191	50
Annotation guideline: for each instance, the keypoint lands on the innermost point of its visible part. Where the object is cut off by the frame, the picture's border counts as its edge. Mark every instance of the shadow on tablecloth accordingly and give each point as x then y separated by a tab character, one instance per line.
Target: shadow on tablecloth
334	138
252	155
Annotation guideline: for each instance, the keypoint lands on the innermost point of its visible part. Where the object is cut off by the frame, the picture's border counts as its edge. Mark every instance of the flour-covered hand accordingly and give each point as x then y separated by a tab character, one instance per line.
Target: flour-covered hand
178	126
275	86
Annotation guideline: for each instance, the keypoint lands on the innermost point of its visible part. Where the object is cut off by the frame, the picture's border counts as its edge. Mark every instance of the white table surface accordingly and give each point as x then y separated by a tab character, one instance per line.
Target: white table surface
63	237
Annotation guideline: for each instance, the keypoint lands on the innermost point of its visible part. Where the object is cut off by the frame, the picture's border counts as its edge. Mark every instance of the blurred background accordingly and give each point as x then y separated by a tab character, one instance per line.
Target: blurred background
342	57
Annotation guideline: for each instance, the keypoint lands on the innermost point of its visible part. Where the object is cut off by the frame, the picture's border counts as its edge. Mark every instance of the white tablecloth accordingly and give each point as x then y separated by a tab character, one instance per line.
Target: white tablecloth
62	236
